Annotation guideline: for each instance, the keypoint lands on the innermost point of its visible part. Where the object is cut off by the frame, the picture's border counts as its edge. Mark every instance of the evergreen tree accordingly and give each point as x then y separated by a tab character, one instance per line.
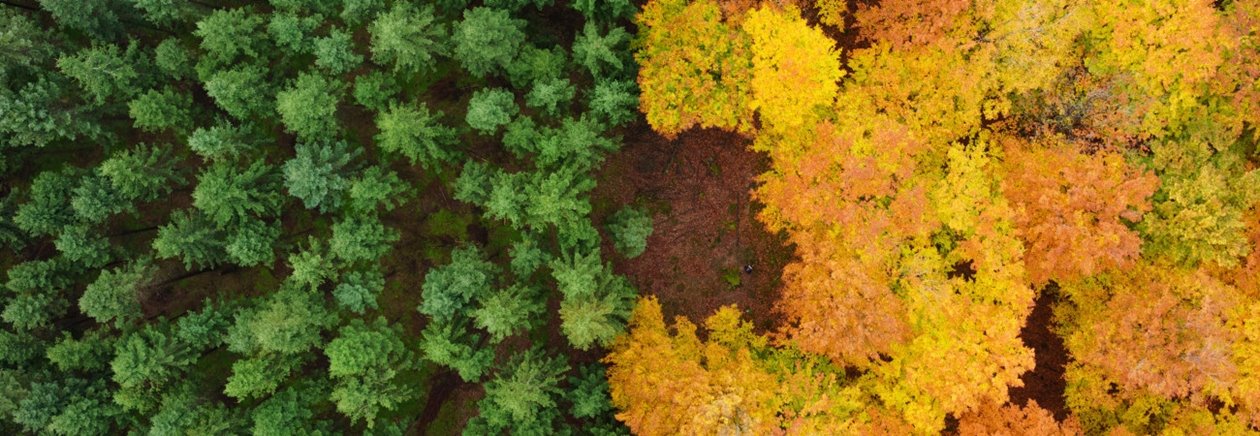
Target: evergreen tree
408	39
487	40
116	294
318	173
415	133
309	106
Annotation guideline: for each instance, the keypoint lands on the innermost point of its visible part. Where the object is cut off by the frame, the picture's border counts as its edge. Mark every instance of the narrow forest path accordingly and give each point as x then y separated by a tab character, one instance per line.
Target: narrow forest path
1045	383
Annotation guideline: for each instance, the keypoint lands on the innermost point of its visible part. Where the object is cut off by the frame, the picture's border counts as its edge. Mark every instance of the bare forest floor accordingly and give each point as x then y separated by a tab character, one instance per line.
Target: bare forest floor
705	229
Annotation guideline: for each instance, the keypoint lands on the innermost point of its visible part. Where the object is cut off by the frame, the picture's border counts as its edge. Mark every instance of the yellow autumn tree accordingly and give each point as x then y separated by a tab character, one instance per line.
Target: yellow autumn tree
694	68
795	68
667	382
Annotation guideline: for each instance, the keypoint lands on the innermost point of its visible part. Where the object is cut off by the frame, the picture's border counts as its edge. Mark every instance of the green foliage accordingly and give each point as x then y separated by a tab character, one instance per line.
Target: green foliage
528	256
253	242
596	301
144	173
116	294
221	141
506	311
1200	208
589	392
145	362
155	110
449	289
173	58
630	228
589	320
228	33
516	5
204	329
259	376
550	95
408	39
95	200
335	52
523	394
193	238
615	102
578	142
105	72
290	411
600	54
412	131
358	290
185	410
375	89
536	64
361	238
473	184
31	311
522	137
228	194
448	344
317	174
491	108
312	265
88	353
98	19
555	197
606	11
365	359
354	12
292	32
83	246
11	235
165	12
47	209
289	321
309	107
487	40
376	187
243	92
37	115
39	276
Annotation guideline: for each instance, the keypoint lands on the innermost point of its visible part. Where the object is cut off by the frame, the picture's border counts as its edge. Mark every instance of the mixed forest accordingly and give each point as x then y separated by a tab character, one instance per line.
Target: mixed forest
612	217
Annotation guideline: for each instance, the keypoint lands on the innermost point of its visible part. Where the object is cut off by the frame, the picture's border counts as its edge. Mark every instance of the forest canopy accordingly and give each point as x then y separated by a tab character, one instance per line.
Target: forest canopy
479	217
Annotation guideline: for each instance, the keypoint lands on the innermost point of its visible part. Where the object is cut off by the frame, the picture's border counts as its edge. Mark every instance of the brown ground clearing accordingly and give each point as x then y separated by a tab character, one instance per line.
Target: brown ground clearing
705	230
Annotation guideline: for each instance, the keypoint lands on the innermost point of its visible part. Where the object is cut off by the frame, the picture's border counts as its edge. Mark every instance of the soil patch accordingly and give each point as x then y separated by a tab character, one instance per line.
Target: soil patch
705	228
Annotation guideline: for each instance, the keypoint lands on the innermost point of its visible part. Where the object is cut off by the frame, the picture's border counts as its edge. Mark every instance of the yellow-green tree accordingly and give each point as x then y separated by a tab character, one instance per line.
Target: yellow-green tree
795	68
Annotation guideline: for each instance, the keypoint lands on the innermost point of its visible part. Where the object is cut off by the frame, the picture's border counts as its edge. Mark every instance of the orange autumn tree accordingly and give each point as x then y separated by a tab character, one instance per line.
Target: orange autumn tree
694	68
1146	341
1011	420
837	182
1074	210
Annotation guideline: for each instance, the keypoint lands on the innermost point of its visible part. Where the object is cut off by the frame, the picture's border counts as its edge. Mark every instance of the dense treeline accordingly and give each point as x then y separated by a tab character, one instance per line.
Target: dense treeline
955	161
201	202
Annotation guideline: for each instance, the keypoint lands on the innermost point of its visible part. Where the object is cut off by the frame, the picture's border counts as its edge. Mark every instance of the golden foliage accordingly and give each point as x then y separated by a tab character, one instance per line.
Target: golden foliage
795	68
694	69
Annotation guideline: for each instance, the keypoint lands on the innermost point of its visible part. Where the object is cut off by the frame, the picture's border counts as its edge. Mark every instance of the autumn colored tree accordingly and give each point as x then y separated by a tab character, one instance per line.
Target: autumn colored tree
694	69
1074	211
1012	420
1171	324
795	68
